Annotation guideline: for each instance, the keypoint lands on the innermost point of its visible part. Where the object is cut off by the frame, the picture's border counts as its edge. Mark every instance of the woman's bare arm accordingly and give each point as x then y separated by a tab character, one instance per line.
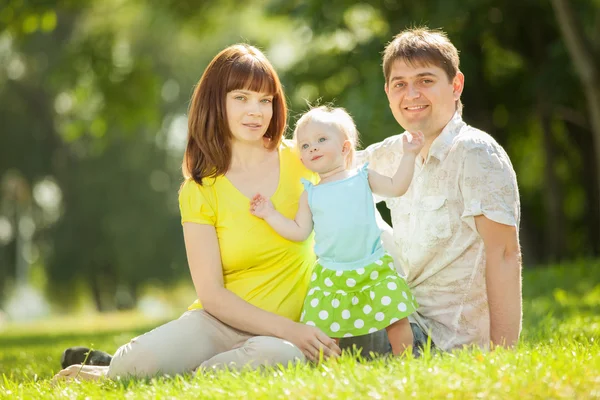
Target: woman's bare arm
204	260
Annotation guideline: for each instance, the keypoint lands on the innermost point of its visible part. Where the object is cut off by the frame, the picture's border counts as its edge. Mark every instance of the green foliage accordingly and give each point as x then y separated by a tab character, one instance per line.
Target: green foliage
557	358
93	97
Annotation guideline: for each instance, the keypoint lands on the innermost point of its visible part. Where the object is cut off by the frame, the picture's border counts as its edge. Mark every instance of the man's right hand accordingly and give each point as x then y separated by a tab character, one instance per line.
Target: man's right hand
311	341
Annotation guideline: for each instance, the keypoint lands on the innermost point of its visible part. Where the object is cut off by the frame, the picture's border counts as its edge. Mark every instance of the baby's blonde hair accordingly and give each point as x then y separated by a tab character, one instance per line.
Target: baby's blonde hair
336	116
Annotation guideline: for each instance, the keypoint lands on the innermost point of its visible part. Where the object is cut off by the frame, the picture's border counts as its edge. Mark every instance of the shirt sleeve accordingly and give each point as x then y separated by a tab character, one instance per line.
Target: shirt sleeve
383	156
194	206
489	186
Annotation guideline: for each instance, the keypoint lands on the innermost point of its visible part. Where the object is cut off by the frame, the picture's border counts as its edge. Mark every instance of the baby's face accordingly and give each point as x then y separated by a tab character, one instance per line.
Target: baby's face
321	146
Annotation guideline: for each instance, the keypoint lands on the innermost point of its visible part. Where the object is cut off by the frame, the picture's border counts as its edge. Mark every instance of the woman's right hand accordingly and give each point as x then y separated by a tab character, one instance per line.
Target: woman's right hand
311	341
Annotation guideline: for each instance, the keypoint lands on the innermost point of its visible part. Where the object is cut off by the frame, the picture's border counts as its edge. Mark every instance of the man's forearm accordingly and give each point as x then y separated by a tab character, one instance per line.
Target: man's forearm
503	279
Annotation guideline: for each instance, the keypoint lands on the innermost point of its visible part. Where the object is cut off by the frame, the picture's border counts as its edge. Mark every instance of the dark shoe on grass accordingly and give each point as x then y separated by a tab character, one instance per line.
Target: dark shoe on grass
78	354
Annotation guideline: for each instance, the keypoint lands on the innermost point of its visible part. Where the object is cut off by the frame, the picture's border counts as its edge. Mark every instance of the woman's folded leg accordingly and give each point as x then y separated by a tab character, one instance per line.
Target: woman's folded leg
176	347
256	352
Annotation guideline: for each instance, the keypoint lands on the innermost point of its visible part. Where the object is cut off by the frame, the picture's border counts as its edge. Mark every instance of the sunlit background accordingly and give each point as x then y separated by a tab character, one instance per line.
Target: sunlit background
93	102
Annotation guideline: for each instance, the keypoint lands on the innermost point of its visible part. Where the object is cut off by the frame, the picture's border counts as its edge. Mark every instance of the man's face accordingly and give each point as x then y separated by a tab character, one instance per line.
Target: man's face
421	97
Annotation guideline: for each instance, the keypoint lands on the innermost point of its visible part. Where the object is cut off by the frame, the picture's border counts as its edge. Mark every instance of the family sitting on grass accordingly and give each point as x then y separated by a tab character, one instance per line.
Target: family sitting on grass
272	292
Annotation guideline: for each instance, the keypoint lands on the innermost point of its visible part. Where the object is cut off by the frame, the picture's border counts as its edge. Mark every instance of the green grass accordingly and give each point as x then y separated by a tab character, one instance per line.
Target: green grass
559	357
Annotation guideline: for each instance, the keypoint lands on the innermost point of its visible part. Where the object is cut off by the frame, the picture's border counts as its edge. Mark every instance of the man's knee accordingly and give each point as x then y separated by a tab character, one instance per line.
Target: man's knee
371	344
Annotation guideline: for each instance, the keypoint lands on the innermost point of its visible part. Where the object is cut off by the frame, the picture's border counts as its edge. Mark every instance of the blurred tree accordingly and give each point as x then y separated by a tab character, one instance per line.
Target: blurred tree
579	24
93	101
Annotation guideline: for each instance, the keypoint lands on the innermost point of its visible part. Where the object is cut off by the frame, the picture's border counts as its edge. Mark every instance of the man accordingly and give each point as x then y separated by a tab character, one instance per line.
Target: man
455	232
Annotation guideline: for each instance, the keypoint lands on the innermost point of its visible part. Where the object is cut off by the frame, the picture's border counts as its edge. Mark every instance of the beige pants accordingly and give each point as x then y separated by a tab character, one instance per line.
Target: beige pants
197	339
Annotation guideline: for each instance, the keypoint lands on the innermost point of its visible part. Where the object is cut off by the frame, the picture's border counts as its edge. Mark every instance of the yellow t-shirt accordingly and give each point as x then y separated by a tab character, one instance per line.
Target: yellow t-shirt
259	266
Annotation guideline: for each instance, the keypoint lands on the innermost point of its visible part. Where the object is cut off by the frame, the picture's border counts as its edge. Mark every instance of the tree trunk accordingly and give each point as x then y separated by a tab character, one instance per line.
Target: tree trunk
584	142
96	292
587	66
554	243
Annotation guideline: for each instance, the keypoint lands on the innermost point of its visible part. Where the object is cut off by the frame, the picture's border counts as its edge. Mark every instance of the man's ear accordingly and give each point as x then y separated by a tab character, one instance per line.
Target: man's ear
386	88
458	84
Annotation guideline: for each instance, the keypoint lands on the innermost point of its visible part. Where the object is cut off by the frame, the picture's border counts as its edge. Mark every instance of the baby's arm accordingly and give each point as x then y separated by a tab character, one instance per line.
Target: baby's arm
296	230
398	184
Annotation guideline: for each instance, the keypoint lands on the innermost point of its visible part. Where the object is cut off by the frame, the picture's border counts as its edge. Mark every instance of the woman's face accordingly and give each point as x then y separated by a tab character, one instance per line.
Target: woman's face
249	114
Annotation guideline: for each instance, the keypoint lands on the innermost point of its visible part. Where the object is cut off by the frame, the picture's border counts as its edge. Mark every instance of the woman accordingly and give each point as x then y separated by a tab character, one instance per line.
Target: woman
250	282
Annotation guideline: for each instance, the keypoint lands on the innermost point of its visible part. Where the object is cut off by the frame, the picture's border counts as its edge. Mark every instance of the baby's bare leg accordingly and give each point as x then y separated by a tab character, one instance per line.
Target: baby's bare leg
401	336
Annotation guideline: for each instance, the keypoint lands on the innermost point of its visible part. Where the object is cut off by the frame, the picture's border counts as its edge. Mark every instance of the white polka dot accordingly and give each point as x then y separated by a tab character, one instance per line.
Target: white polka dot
311	291
405	296
335	303
379	316
335	327
394	320
345	314
359	323
314	302
372	294
328	282
354	300
326	293
348	335
392	286
374	275
340	292
379	262
391	265
386	300
360	271
365	287
323	314
372	330
310	323
367	309
313	277
339	273
302	316
402	307
351	282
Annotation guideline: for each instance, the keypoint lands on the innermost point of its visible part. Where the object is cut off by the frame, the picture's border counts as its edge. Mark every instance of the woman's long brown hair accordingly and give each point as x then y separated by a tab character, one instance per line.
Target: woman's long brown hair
241	66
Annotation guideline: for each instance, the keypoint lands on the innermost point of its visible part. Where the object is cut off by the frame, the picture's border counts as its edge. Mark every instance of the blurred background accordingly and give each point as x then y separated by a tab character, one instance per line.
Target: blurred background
93	102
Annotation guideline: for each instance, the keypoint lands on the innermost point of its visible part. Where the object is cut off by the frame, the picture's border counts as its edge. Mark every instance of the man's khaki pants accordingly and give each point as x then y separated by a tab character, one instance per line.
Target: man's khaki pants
197	339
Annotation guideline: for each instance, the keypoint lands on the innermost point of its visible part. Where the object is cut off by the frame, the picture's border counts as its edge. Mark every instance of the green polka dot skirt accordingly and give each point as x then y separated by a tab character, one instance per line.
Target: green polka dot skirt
357	302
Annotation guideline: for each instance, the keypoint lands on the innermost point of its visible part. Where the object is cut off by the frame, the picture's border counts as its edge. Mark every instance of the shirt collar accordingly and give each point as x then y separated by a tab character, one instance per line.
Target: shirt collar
442	144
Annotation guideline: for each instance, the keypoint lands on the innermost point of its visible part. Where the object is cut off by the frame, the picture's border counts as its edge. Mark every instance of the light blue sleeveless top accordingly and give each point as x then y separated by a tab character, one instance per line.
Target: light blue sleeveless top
346	233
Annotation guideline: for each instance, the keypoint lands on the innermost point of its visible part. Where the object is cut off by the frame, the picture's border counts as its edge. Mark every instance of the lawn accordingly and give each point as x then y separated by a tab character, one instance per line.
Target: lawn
559	357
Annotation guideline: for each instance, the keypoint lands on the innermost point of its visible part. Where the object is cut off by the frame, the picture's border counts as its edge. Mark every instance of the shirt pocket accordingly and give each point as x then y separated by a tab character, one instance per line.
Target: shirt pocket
432	221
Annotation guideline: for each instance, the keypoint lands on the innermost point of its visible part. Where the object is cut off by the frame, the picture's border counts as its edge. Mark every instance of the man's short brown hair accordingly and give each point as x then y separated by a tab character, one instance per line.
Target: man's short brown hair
422	46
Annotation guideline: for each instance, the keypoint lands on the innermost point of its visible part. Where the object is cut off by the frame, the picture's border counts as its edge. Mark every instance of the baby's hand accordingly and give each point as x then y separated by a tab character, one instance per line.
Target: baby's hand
261	207
415	145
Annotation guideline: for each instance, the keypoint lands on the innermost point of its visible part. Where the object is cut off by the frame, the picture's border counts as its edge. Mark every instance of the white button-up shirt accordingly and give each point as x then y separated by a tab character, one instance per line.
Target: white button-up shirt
467	173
